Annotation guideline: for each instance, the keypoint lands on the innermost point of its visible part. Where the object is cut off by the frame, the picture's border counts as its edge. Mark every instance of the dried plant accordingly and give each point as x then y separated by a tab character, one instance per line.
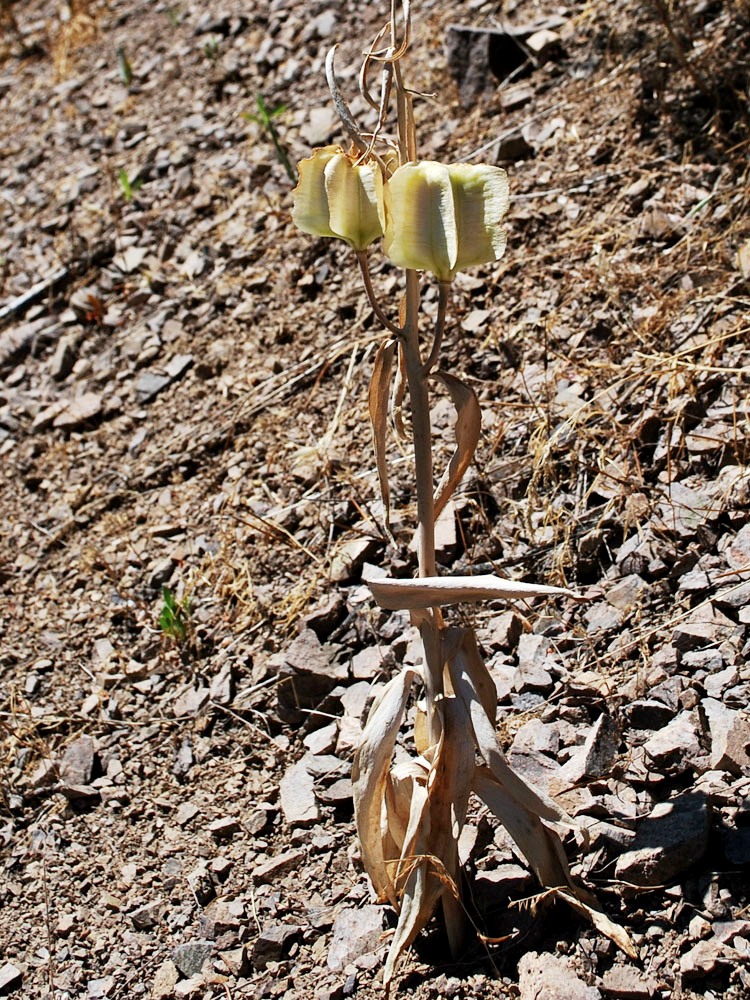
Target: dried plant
438	219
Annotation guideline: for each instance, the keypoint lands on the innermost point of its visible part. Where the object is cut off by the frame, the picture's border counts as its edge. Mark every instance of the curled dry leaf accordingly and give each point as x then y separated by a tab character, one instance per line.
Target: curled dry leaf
468	427
432	591
464	662
369	773
380	386
429	862
399	791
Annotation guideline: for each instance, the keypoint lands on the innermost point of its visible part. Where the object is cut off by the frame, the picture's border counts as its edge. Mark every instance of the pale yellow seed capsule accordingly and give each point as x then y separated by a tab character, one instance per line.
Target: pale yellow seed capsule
445	218
310	212
337	197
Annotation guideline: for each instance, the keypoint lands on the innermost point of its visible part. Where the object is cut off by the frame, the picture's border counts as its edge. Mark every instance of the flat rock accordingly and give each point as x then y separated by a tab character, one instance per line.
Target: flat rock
536	657
504	631
367	663
675	742
738	553
267	871
10	977
272	942
730	737
348	559
719	949
548	977
79	411
149	385
355	933
628	592
595	757
356	698
648	713
148	915
77	764
322	741
224	827
624	982
338	793
705	627
668	842
299	806
166	978
190	956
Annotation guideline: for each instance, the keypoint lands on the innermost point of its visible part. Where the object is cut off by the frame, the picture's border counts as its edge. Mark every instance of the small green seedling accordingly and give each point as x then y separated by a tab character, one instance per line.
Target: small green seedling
129	188
124	69
211	50
264	118
174	617
175	16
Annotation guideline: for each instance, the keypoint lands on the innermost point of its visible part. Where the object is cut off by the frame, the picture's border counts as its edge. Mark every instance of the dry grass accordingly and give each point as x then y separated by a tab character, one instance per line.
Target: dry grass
79	27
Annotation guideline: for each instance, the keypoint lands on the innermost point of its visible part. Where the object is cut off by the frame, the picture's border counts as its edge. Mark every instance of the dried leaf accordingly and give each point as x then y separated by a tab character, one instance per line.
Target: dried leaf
468	427
600	920
434	591
455	643
397	402
416	909
462	644
369	772
538	844
399	791
380	386
449	786
421	732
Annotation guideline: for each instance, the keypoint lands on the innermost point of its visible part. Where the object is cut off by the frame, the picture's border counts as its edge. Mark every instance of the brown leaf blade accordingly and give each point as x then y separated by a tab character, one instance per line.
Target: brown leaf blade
467	429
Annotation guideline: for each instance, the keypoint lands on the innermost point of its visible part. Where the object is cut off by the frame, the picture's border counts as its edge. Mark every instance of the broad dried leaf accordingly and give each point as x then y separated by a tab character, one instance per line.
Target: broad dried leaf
450	787
458	644
380	387
421	732
369	772
538	844
434	591
416	909
399	791
462	644
468	427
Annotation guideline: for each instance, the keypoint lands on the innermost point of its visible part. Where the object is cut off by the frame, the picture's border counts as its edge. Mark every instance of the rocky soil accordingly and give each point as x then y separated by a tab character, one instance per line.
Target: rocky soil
183	405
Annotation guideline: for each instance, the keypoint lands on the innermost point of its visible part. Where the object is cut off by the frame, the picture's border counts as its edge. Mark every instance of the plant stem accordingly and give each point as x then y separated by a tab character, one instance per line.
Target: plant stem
418	381
366	278
420	417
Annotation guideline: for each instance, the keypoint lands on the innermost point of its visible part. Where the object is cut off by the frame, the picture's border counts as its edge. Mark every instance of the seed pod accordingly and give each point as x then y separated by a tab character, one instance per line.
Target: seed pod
336	196
445	218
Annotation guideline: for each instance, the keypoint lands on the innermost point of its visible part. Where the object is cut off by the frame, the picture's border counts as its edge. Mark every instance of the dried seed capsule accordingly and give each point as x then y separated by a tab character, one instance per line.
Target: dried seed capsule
445	218
336	196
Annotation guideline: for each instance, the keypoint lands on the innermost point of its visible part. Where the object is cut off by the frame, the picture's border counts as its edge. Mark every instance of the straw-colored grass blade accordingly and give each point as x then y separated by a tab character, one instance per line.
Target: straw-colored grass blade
369	772
432	591
467	429
380	390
